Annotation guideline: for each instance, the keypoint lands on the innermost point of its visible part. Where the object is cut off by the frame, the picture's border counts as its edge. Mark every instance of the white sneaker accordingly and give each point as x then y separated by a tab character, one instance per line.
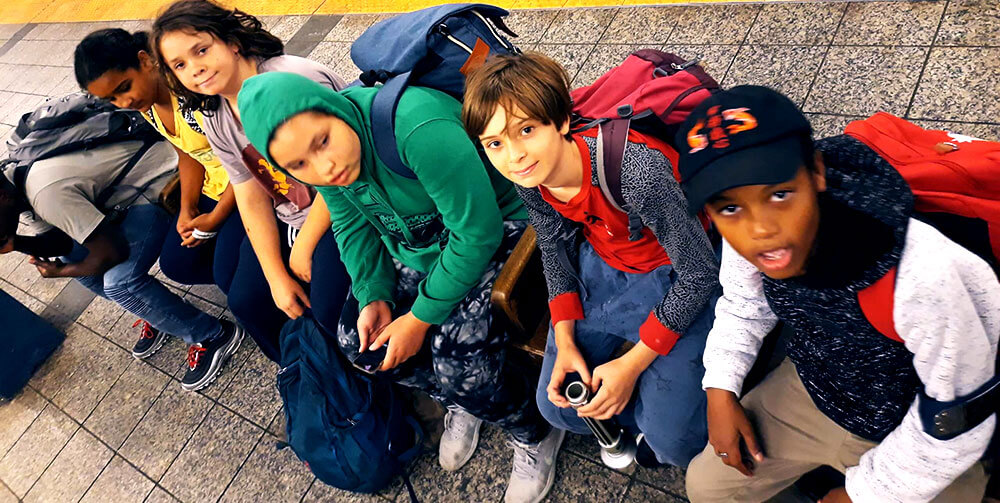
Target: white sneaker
460	438
534	469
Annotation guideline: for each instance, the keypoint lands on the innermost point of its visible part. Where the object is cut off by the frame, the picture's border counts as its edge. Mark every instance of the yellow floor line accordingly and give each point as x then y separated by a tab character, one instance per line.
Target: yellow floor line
66	11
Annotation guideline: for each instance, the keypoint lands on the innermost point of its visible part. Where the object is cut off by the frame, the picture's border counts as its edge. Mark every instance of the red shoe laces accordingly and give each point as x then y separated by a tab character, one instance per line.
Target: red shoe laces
194	354
147	329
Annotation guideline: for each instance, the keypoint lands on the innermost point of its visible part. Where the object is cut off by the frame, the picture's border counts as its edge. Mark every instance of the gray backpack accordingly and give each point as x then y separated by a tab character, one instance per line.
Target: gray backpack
69	124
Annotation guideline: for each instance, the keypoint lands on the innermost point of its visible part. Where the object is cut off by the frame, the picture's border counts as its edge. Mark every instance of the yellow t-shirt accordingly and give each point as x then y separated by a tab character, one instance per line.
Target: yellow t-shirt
191	139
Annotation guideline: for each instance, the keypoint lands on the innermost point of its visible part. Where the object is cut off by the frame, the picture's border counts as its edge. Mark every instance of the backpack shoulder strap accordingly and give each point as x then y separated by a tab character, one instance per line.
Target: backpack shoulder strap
384	124
106	194
877	304
612	136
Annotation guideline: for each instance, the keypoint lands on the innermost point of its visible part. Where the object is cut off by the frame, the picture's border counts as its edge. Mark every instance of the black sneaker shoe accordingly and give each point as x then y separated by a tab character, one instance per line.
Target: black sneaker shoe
644	455
149	342
205	359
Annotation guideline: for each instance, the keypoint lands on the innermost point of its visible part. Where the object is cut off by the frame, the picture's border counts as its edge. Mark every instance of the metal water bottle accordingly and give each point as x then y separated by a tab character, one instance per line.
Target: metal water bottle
617	447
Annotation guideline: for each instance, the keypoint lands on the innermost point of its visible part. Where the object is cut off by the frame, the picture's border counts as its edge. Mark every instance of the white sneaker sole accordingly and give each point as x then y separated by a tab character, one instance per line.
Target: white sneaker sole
475	445
552	473
217	362
160	341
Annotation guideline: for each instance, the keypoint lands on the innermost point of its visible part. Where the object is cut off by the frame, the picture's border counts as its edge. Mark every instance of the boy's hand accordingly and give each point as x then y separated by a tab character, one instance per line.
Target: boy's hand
838	495
371	320
404	336
300	261
613	382
727	427
289	296
48	268
568	359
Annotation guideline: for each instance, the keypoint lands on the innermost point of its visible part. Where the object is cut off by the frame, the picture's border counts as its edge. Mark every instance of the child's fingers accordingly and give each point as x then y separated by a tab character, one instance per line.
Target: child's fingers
382	339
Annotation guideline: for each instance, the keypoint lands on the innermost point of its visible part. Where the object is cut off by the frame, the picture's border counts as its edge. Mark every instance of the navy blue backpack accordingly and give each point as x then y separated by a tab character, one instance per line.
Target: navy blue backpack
351	430
433	47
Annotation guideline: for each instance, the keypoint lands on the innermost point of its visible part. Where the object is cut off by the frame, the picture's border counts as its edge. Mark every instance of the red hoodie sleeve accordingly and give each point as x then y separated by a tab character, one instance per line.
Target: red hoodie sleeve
658	337
566	306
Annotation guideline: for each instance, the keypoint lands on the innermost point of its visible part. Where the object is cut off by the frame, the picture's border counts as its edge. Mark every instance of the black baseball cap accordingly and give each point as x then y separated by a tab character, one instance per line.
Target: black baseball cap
747	135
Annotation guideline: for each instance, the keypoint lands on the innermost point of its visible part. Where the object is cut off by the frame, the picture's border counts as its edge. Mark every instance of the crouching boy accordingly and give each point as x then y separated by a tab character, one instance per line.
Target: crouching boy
810	230
610	288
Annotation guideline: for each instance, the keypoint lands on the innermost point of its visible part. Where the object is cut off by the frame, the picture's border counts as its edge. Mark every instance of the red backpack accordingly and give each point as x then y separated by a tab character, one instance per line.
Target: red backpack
651	92
955	181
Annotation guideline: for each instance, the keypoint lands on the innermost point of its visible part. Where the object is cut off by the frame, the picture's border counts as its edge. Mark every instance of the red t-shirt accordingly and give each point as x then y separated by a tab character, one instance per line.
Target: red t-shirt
605	227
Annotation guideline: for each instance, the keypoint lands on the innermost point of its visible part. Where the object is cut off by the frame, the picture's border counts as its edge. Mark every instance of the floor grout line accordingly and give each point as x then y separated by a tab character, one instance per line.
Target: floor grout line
822	62
242	464
927	59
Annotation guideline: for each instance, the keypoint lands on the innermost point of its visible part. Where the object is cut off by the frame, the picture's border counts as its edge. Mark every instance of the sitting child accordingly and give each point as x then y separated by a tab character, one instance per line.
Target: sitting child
422	253
654	291
808	227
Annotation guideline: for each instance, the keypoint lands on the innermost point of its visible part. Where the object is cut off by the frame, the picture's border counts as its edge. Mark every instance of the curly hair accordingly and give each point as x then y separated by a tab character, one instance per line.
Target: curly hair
230	26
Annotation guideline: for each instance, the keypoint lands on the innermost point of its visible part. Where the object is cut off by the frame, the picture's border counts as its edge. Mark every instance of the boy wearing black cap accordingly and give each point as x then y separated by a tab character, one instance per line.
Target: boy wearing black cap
808	229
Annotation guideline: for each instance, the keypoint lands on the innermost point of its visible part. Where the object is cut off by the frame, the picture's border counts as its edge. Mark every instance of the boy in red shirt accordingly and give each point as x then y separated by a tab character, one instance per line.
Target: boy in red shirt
655	289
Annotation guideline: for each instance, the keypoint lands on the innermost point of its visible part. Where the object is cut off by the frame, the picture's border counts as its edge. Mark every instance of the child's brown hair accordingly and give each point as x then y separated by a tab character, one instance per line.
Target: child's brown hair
531	81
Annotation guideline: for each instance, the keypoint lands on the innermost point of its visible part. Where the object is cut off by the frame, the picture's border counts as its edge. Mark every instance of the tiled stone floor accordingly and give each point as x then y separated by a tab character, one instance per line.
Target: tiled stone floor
96	425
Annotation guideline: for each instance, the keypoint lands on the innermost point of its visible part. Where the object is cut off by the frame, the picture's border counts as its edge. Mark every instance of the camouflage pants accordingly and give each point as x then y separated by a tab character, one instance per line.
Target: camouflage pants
463	359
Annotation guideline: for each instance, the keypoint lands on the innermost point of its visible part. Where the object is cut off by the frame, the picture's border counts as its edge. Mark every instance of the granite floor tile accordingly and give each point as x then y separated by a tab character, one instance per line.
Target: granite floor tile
119	483
602	59
570	56
9	261
351	26
210	460
17	415
586	446
252	392
269	475
210	293
322	493
101	315
210	308
578	26
277	425
829	125
36	306
797	23
287	27
990	132
529	25
864	80
648	26
960	84
669	478
27	459
578	479
789	69
715	59
73	470
970	22
641	493
713	24
316	28
126	403
345	67
81	372
328	52
8	30
159	495
6	496
484	478
23	276
162	433
890	23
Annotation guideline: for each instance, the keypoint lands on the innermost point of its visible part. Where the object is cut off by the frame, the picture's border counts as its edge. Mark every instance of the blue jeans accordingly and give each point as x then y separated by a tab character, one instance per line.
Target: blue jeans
130	285
668	406
250	298
212	262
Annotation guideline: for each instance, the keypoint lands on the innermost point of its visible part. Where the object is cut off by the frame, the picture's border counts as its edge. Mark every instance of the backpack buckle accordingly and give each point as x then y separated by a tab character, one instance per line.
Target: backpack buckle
685	65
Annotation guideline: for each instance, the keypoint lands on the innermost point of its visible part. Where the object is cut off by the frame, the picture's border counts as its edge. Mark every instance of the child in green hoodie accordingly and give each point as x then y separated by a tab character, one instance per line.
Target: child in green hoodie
422	253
